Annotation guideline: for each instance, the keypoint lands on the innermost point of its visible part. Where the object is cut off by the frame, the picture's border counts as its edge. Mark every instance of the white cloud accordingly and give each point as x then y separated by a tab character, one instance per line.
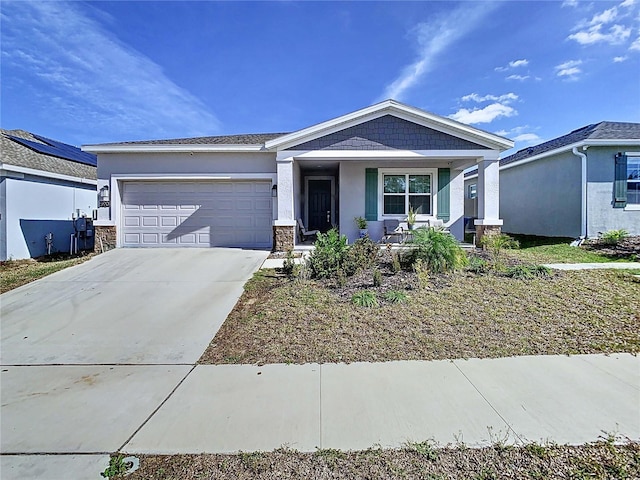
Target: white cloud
506	98
616	35
530	138
570	3
433	39
513	64
606	16
483	115
620	59
519	63
522	135
95	79
635	45
569	69
521	78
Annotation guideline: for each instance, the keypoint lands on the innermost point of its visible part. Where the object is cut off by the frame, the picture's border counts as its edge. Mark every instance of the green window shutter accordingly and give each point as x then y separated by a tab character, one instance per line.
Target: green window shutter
620	182
371	194
444	196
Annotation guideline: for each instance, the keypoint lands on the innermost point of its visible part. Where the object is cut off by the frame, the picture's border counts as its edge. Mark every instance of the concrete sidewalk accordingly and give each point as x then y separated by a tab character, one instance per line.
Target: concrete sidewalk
222	409
228	408
595	266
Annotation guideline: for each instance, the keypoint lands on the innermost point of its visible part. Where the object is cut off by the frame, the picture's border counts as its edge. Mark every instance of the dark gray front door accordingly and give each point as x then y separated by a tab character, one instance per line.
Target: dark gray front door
319	205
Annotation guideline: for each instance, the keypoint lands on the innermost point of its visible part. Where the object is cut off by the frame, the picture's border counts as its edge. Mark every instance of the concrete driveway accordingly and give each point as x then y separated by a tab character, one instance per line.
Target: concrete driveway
127	306
90	353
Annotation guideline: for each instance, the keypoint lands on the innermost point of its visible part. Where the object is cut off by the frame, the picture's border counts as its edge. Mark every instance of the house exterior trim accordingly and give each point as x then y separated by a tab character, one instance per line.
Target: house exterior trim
391	107
177	148
43	173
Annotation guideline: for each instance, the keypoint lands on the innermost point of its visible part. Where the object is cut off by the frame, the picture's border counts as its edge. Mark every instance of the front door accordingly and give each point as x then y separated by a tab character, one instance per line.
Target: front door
319	205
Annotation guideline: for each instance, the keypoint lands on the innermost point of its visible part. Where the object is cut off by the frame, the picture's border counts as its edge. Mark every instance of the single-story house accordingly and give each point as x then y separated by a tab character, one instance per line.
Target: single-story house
249	190
577	185
43	184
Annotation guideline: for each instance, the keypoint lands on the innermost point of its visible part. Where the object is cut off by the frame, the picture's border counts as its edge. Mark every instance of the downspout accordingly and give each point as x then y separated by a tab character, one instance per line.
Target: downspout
583	219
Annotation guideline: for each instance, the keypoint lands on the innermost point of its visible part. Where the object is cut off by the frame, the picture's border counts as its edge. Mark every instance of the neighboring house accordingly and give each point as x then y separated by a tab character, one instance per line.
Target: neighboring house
248	190
42	184
577	185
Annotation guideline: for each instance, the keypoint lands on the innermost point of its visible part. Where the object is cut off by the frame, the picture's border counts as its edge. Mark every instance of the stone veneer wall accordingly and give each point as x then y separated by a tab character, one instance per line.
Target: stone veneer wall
482	230
283	238
108	237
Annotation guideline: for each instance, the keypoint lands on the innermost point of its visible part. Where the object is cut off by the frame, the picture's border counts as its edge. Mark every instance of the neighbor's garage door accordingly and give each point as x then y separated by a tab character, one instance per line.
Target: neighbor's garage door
196	214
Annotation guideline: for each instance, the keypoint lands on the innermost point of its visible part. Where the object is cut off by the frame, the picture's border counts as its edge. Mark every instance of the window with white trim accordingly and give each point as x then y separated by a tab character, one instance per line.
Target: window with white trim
402	191
633	180
472	191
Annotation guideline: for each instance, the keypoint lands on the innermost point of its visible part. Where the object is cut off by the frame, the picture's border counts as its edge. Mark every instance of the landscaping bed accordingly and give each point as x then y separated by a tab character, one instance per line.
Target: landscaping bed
598	461
462	314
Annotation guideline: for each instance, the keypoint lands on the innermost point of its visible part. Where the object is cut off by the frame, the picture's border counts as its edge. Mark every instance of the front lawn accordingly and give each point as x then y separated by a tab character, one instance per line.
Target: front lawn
558	250
425	460
15	273
457	315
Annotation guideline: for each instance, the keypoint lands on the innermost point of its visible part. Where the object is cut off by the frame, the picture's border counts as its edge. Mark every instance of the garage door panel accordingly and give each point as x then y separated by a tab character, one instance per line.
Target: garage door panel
197	214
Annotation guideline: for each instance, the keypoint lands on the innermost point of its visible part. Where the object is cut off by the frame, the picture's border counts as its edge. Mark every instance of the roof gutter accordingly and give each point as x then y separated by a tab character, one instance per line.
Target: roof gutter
583	203
170	148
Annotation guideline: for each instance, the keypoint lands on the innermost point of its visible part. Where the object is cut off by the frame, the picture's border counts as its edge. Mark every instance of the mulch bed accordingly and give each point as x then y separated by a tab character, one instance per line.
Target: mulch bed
627	248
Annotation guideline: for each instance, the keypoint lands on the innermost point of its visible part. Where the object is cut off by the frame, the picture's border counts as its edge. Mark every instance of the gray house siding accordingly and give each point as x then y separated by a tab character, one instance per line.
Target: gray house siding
542	197
388	133
601	216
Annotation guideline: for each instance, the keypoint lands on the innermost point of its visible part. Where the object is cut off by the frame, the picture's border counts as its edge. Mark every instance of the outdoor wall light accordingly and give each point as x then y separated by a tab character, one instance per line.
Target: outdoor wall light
274	191
103	196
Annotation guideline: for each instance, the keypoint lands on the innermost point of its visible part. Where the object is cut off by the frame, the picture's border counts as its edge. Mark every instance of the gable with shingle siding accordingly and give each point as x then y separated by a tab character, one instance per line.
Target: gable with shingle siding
388	133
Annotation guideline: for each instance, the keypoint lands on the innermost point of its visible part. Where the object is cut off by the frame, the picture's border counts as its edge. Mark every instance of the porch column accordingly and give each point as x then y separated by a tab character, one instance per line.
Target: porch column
284	224
456	219
488	221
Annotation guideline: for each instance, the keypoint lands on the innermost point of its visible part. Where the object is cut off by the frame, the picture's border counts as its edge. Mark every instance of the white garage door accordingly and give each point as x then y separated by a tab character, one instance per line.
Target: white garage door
196	214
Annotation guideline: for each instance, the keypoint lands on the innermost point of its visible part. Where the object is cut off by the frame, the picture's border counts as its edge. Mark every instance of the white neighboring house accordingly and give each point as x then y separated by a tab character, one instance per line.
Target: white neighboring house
249	190
42	184
578	185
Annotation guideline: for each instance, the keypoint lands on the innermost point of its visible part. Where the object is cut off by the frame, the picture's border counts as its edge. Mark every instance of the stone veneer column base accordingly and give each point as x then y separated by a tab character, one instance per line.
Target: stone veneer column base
283	238
482	230
105	238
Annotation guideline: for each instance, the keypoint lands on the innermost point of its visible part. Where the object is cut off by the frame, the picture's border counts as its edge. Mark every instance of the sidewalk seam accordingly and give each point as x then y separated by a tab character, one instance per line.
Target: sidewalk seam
489	403
193	367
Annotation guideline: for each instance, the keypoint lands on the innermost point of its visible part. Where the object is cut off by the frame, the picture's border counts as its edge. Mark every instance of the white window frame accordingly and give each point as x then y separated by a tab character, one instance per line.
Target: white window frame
472	191
636	157
433	172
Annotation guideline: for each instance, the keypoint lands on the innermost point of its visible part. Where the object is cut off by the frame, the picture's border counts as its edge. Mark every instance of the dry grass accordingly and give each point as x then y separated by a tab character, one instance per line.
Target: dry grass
15	273
461	315
424	461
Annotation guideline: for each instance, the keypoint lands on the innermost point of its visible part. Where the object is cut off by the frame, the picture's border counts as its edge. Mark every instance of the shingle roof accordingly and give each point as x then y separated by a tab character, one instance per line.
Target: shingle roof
597	131
242	139
14	153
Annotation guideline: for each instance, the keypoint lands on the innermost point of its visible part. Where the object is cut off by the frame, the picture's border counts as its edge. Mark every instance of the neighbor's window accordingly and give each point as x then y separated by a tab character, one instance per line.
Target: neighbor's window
404	191
633	180
472	191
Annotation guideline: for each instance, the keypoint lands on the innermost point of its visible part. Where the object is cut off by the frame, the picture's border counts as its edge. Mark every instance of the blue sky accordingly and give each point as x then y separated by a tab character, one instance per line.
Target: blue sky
91	72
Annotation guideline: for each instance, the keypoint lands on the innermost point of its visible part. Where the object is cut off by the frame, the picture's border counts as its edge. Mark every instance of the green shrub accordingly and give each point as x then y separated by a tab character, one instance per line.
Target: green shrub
341	278
328	255
361	255
289	265
613	237
365	298
438	250
524	272
395	296
495	244
478	264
